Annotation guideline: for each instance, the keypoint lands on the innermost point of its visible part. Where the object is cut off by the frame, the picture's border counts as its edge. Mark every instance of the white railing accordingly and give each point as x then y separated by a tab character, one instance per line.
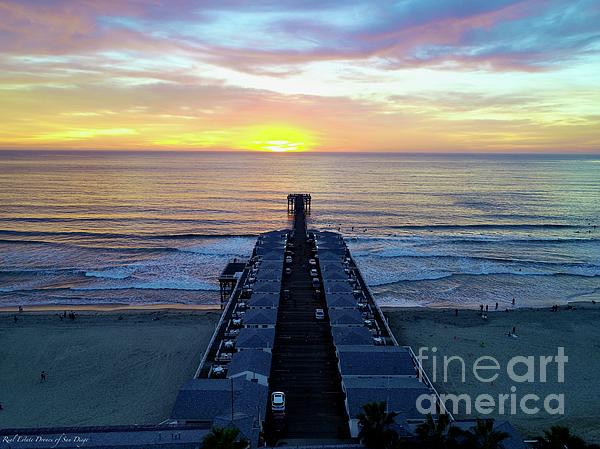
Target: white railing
224	314
423	376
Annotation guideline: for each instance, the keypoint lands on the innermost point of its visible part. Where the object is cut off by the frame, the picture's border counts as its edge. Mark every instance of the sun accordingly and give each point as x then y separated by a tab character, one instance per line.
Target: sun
280	146
277	138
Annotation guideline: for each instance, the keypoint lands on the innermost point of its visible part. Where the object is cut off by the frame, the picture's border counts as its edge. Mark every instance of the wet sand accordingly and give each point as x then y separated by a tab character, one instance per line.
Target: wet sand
540	332
104	368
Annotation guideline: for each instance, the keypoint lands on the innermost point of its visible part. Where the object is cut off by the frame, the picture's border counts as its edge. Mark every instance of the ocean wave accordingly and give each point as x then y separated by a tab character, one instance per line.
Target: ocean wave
155	285
433	276
409	268
449	239
491	226
111	273
4	232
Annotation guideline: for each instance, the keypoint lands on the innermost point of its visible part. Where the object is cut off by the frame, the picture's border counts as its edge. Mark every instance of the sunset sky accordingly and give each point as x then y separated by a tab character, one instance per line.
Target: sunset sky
410	75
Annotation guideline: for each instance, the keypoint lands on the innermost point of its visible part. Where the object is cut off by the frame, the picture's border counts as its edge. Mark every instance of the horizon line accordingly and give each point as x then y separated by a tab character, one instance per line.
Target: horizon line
387	152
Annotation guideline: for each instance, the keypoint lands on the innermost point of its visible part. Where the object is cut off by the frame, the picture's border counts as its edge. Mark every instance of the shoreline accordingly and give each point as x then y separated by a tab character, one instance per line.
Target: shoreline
110	307
573	304
121	307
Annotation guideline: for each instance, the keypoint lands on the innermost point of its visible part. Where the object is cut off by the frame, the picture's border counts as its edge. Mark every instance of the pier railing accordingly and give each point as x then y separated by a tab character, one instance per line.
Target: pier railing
367	290
225	315
421	371
425	378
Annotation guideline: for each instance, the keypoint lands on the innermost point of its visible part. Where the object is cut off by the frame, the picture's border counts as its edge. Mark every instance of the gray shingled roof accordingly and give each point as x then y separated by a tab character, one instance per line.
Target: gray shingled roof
260	317
269	253
343	336
375	361
249	426
252	360
332	286
270	265
269	273
266	287
263	300
341	300
331	265
345	317
255	338
206	399
399	394
327	255
335	274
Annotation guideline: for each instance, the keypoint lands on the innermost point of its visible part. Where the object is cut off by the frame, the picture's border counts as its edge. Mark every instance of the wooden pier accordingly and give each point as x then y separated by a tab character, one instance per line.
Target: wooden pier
270	339
304	363
295	201
229	278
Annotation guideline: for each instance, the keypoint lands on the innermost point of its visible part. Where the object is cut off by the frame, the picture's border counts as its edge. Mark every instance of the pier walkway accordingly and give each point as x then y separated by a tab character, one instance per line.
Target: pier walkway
304	363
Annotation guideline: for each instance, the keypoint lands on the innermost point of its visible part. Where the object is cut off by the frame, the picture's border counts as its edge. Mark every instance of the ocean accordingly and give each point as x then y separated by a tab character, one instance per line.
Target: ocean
427	230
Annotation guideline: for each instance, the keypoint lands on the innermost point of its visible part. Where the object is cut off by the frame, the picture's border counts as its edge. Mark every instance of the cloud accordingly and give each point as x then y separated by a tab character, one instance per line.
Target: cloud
495	34
356	75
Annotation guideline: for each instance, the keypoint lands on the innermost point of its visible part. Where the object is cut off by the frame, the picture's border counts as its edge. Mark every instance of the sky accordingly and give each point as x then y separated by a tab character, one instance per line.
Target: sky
281	75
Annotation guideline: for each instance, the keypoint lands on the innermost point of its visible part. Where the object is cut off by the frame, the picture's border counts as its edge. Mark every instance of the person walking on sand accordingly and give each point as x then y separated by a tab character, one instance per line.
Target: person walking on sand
43	376
496	305
513	301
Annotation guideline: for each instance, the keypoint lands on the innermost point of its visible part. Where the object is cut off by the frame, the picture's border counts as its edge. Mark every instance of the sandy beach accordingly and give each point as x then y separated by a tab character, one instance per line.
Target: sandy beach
117	367
540	332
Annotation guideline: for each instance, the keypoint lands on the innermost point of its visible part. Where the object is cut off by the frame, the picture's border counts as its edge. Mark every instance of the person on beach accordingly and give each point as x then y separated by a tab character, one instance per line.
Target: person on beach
43	376
496	305
20	309
486	308
513	301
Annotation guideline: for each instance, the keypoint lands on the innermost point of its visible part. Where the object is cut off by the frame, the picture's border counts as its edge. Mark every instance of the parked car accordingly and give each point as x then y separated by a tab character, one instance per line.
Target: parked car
314	273
237	322
278	401
288	271
319	314
312	262
316	283
218	371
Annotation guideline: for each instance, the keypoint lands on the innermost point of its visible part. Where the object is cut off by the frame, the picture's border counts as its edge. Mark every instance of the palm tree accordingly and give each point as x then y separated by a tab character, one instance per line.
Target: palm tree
559	437
483	435
375	426
224	438
436	434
